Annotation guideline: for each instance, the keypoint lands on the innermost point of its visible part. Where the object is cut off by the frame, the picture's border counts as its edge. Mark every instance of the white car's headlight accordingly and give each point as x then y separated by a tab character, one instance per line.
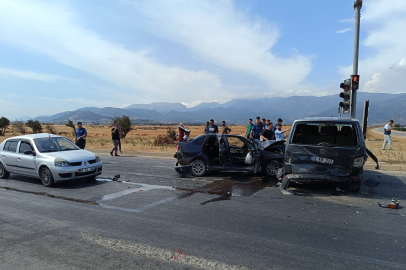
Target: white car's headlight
61	162
359	162
97	158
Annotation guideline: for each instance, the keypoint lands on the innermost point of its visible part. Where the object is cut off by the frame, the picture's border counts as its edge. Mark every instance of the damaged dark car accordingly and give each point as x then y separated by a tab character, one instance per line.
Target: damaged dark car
212	152
325	149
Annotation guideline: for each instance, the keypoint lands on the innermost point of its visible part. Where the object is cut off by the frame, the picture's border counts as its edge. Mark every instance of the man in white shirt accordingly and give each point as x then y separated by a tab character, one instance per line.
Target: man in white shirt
387	130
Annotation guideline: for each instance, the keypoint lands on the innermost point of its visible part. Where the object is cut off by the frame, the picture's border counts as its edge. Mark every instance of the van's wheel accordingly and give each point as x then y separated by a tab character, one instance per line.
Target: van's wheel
46	177
4	174
271	168
198	167
355	186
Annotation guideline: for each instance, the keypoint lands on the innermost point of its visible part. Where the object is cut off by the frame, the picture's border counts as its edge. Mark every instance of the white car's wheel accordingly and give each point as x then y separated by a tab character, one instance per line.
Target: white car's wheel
198	167
46	177
4	174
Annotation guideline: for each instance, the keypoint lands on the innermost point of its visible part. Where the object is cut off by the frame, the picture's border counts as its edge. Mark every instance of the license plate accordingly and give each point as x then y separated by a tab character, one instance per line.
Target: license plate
86	170
322	160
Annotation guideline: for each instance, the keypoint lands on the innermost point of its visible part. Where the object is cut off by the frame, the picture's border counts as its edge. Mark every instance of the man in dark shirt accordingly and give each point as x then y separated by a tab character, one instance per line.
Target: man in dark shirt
258	119
206	128
256	130
268	134
213	128
226	129
263	122
115	136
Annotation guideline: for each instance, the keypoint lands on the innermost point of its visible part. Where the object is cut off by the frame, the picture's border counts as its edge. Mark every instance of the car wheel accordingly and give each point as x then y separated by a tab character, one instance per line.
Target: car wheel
198	167
46	177
4	174
271	168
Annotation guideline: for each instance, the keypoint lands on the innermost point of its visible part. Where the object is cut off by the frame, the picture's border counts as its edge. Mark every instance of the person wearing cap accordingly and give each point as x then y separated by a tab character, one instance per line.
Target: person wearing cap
213	129
275	127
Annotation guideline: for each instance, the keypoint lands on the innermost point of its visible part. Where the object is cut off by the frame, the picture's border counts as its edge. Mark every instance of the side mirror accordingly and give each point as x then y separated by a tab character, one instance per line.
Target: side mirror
30	153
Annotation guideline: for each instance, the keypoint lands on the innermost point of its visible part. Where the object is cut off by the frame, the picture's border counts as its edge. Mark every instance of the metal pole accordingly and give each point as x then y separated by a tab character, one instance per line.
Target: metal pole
365	117
357	8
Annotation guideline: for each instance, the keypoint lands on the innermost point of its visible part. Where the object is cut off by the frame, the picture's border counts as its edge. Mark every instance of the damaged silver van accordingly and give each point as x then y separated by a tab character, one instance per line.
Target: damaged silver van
325	149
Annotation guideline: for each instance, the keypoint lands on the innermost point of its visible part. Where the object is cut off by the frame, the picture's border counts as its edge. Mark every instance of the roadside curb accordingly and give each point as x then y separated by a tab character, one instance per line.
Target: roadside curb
134	153
384	167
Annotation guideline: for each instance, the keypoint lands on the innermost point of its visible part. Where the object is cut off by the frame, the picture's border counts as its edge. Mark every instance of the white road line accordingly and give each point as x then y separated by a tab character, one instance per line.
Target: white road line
177	257
144	187
141	209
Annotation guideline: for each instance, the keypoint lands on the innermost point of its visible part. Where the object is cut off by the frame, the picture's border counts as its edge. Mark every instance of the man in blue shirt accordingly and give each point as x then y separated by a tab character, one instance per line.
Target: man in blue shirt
256	130
275	127
213	128
81	135
387	130
280	136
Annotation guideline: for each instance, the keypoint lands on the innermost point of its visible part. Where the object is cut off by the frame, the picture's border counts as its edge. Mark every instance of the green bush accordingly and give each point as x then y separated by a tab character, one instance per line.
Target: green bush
34	125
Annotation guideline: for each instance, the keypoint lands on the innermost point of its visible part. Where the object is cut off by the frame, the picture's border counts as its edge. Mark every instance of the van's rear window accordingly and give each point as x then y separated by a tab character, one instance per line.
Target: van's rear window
318	133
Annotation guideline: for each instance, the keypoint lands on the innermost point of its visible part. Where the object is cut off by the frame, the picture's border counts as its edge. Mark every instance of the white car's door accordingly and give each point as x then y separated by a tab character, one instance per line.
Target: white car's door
26	164
9	156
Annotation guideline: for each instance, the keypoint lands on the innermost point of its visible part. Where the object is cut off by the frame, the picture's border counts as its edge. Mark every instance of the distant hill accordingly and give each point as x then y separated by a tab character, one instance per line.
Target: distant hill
382	108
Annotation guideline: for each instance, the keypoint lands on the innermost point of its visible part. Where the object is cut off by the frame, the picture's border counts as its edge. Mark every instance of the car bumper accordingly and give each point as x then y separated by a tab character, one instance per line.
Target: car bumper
183	170
69	173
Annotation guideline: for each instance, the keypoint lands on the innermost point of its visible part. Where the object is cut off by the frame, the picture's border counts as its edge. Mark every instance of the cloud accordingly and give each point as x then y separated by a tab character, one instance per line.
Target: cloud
383	45
348	20
373	84
53	29
343	30
400	65
219	33
30	75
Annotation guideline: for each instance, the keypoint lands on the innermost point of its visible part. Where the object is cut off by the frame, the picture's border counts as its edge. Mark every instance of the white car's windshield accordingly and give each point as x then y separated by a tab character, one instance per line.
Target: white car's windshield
54	144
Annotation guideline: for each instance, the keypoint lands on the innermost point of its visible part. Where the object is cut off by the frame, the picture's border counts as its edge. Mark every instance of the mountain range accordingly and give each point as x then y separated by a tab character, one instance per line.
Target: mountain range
382	108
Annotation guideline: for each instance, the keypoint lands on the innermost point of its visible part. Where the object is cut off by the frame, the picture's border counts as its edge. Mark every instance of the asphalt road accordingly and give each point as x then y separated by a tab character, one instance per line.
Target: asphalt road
153	219
394	132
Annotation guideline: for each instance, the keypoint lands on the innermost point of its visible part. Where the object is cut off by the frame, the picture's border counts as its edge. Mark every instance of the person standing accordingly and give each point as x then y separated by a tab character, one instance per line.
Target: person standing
268	134
183	133
387	130
81	135
268	122
280	136
115	137
226	129
258	119
256	129
263	122
249	128
119	137
206	128
213	128
275	127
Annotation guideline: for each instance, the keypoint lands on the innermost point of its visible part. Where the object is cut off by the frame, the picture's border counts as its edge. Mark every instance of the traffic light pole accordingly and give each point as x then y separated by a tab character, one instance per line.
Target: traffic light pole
357	8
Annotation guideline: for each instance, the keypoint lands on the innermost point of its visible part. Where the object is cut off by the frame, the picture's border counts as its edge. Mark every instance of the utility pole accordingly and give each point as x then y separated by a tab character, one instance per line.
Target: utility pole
357	8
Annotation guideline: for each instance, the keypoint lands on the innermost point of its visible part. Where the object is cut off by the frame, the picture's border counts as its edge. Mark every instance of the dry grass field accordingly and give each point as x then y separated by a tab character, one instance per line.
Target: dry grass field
142	139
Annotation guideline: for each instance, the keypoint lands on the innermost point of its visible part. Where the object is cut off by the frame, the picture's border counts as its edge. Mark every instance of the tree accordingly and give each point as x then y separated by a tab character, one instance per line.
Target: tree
4	123
69	123
34	125
125	122
19	127
49	128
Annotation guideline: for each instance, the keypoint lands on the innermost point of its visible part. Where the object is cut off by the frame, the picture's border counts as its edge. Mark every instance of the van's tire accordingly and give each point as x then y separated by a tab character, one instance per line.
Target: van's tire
46	177
355	186
198	167
271	168
4	174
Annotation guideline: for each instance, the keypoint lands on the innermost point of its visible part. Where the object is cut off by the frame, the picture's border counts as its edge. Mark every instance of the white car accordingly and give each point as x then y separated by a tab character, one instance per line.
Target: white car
47	157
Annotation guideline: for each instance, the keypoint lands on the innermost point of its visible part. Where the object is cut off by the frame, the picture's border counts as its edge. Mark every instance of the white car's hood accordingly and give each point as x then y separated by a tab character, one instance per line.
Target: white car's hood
73	155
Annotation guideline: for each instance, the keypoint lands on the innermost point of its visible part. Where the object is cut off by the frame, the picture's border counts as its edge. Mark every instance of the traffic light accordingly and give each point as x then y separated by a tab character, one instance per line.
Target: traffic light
345	95
354	82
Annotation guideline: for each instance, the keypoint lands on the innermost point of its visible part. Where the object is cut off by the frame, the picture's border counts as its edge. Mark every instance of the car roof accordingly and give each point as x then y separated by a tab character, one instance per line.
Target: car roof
328	119
34	136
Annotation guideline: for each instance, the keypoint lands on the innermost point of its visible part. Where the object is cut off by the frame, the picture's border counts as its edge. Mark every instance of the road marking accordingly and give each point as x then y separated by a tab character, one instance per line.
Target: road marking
141	209
144	187
158	253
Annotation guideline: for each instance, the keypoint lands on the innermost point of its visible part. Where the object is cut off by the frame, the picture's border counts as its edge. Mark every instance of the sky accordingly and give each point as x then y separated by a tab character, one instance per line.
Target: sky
60	55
